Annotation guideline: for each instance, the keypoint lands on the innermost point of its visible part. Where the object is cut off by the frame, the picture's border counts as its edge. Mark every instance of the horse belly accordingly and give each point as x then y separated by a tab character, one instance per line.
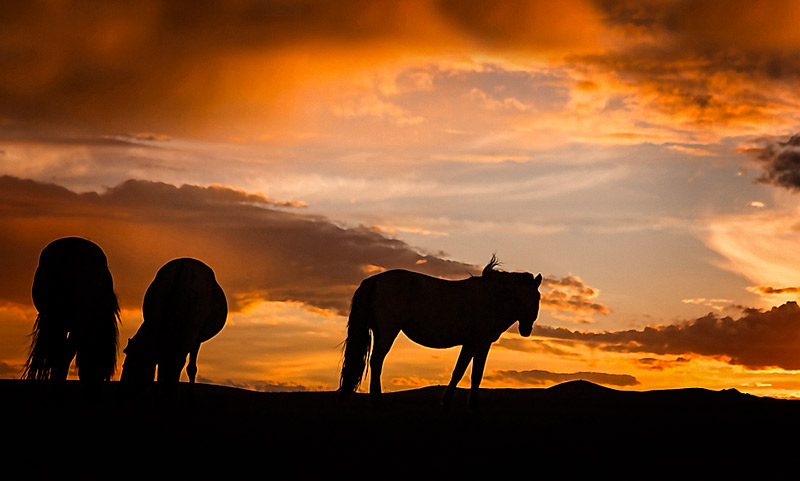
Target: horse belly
429	340
433	332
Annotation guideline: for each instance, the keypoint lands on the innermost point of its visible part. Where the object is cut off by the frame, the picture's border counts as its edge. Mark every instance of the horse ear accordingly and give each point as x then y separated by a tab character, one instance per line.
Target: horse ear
538	280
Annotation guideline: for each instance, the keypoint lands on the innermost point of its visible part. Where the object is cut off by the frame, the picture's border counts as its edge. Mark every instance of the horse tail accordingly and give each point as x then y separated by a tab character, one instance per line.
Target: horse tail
94	346
46	343
359	340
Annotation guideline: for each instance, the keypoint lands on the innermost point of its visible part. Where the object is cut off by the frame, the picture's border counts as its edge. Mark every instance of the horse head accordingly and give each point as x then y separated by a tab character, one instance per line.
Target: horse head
528	298
139	368
517	295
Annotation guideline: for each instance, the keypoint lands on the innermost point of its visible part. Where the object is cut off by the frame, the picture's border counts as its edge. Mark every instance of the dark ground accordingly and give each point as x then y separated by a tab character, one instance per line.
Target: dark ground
570	430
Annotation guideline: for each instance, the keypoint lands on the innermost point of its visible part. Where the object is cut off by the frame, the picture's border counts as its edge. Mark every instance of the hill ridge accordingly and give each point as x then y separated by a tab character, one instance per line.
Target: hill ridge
221	424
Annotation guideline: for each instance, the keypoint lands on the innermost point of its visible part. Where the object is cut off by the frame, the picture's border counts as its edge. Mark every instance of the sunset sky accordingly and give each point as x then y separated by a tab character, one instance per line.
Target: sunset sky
639	154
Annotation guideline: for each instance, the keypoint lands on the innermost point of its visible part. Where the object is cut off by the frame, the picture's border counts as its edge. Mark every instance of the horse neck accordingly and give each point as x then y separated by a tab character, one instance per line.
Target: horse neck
501	312
139	366
142	346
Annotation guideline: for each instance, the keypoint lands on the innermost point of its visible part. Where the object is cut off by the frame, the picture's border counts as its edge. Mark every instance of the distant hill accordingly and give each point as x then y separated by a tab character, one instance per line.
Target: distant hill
574	427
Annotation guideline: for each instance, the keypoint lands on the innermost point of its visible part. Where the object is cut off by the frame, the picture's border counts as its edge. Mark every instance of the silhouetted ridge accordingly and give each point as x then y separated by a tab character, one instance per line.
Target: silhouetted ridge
580	388
582	429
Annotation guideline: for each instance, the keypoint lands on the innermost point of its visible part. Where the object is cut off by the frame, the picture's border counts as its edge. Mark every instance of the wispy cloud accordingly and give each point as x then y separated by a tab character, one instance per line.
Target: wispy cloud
759	246
718	304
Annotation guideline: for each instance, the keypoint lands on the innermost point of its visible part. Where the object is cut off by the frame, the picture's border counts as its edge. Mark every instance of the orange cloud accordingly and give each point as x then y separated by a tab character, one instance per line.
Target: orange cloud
177	67
777	290
570	294
245	69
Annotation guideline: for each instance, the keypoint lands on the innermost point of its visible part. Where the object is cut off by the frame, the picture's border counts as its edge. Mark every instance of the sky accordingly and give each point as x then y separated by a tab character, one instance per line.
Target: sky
640	155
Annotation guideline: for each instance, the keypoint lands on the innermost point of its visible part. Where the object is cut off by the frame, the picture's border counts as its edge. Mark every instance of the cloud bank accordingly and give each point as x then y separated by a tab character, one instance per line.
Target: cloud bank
756	340
175	66
178	67
259	249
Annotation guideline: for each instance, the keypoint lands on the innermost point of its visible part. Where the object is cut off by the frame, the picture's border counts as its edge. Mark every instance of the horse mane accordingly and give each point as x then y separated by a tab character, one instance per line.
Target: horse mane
491	266
491	270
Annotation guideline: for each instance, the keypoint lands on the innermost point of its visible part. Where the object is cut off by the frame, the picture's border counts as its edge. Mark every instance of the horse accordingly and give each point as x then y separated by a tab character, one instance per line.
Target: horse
77	313
436	313
183	307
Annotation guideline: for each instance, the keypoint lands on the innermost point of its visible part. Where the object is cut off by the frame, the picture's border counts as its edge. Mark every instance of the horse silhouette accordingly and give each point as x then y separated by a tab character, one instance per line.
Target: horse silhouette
78	313
436	313
183	307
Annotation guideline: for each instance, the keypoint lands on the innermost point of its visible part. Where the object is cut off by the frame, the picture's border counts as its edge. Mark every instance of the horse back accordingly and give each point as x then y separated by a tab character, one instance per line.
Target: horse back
430	311
185	304
72	275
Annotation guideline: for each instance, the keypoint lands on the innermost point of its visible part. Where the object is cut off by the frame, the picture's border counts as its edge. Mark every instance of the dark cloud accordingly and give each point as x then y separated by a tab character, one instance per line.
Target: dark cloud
537	345
258	249
779	162
538	377
776	290
716	30
705	64
654	364
756	340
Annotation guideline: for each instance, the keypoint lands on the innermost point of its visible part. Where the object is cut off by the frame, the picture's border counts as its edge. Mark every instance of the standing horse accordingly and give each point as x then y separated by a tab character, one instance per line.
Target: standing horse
183	307
78	313
436	313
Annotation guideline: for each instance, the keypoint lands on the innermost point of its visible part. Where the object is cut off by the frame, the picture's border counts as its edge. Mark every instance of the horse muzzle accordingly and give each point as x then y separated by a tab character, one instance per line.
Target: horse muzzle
525	330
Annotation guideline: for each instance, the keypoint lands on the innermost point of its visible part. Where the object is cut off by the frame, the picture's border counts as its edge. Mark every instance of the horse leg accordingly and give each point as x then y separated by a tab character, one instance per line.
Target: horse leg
478	363
66	353
169	373
464	357
191	369
380	349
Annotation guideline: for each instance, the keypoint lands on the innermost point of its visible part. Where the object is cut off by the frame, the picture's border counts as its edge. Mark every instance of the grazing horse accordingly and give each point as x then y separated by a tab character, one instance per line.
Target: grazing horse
183	307
78	313
436	313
